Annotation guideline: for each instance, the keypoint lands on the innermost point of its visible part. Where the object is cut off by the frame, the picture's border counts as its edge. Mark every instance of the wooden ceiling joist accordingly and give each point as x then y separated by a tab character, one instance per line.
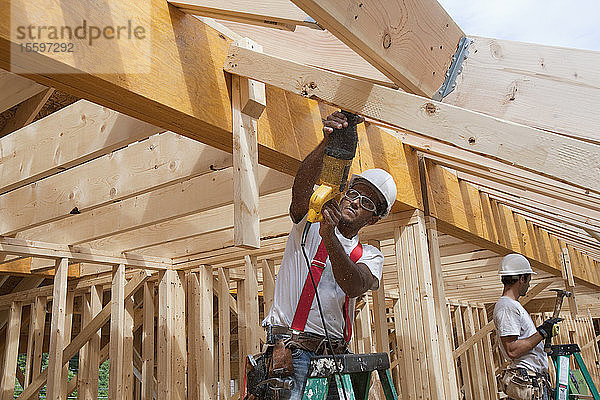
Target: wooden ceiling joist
26	112
30	248
157	209
15	89
550	88
161	160
280	14
71	136
23	266
412	43
547	153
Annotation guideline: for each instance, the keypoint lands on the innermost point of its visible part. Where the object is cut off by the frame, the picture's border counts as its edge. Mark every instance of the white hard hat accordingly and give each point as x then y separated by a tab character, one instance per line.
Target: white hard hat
514	264
383	182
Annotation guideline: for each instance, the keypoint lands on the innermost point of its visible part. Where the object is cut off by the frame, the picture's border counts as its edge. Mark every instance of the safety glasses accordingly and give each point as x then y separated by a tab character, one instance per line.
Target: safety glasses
364	201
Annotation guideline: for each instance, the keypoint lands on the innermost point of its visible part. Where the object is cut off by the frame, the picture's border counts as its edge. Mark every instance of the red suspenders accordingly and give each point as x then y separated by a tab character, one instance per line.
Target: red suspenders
308	291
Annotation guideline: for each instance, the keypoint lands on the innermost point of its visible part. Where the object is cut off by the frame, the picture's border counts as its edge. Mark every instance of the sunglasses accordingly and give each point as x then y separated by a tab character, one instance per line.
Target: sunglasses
364	201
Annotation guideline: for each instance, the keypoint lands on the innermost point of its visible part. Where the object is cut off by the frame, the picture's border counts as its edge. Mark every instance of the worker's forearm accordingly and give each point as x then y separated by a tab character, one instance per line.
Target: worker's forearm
519	347
305	180
353	279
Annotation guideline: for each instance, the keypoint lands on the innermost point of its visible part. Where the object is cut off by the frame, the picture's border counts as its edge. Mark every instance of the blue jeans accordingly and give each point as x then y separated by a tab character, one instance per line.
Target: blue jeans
301	361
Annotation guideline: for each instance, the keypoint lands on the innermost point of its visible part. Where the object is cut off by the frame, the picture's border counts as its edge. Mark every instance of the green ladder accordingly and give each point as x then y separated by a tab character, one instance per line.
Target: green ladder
352	374
565	381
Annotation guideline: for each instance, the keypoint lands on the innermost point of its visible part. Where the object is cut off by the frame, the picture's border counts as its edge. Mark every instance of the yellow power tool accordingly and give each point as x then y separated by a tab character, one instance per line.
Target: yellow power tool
339	152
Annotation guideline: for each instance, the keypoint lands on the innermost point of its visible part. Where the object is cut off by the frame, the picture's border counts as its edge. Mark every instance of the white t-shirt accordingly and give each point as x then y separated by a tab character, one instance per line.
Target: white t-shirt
512	319
294	271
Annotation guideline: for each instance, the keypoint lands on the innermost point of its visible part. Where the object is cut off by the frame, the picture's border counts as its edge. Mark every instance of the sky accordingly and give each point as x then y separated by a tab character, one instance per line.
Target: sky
574	23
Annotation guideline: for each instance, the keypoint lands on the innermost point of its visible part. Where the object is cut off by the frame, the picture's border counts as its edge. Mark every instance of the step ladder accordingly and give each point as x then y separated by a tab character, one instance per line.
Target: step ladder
352	374
565	382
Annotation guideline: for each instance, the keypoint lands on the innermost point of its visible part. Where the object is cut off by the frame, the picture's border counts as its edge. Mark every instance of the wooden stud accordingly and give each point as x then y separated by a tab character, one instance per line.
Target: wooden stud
201	338
225	329
128	378
37	321
117	326
164	339
245	169
11	353
489	357
464	360
268	274
179	333
57	339
148	343
67	339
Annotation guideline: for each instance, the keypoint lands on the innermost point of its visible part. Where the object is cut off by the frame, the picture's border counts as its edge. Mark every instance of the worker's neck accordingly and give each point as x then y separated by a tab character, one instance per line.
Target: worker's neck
347	231
512	292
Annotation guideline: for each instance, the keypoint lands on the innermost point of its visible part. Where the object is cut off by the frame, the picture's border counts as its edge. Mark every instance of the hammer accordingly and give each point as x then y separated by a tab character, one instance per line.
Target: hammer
560	294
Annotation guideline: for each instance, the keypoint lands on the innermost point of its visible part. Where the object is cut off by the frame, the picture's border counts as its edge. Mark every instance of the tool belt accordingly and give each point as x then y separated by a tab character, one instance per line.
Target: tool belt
308	341
523	384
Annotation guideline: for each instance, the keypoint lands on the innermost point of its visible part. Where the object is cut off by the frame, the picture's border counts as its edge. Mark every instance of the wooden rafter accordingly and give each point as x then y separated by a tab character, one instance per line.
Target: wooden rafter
27	112
15	89
412	43
280	14
514	144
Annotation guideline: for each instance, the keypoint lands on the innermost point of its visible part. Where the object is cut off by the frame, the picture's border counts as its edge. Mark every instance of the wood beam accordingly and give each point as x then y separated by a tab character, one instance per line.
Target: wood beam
122	225
15	89
462	211
117	326
272	14
148	343
26	112
162	160
71	136
412	43
326	51
514	144
55	352
246	225
224	334
11	353
23	266
28	248
504	79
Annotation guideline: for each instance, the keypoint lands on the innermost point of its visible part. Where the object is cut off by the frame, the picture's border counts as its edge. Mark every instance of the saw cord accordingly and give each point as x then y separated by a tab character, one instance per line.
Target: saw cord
312	279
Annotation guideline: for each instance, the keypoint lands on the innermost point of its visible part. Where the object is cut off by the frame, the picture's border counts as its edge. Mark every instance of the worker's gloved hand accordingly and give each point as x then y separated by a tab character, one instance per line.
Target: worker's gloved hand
546	329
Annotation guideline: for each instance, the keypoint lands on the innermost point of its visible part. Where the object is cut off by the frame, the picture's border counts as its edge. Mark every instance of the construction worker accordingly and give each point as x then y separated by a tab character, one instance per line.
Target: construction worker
526	377
348	268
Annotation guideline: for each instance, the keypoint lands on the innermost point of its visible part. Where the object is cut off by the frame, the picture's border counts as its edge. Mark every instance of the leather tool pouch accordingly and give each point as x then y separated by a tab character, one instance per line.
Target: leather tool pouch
518	387
281	361
255	374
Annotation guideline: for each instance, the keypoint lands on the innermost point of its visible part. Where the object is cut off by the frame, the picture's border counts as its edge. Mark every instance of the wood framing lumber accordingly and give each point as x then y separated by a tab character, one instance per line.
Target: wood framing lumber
200	338
23	266
11	352
174	97
148	343
15	89
252	93
412	43
508	79
246	227
326	51
88	382
489	327
462	211
121	225
512	143
57	339
84	335
71	136
224	333
67	339
36	339
117	327
162	160
28	248
273	13
26	112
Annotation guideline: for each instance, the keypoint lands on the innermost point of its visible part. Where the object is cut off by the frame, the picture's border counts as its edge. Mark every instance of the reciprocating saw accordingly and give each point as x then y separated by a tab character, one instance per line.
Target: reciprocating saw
339	152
